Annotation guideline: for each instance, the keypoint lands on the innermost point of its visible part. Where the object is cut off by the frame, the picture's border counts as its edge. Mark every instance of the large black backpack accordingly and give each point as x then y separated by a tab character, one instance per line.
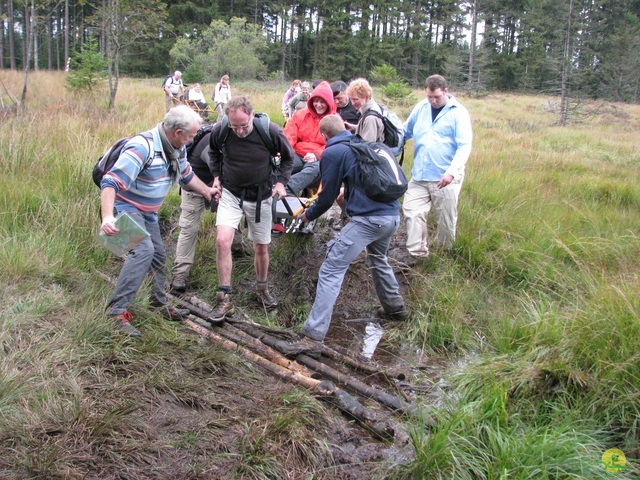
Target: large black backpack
202	131
165	80
108	159
381	177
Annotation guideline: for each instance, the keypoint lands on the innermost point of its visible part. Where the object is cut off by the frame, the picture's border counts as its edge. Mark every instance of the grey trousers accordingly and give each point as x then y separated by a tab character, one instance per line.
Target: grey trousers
309	175
148	256
373	233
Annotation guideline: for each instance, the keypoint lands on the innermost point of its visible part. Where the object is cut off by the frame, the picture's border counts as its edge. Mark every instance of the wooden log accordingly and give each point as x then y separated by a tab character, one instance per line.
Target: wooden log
337	353
390	401
281	372
383	428
358	386
241	338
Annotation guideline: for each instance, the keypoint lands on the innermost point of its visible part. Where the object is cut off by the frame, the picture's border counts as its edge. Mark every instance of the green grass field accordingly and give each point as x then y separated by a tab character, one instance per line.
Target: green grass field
537	308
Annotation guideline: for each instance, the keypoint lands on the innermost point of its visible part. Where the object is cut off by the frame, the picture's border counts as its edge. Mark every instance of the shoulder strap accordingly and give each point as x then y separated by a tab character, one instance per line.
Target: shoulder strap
224	130
261	123
374	113
151	152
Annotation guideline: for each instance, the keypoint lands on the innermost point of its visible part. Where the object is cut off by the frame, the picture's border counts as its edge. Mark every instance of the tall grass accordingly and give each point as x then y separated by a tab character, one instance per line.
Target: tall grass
543	284
539	298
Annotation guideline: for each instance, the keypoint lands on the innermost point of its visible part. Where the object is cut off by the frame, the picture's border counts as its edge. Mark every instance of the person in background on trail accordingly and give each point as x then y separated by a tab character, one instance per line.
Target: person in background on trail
196	95
138	187
299	100
371	227
369	126
243	177
221	95
344	107
303	132
173	88
441	130
294	89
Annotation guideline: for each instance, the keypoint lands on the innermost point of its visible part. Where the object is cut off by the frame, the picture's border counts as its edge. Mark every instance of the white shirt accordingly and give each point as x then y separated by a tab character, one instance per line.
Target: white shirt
196	96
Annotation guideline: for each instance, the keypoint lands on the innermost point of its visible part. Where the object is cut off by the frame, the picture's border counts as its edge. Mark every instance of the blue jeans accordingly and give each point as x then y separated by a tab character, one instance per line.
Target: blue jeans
373	233
147	256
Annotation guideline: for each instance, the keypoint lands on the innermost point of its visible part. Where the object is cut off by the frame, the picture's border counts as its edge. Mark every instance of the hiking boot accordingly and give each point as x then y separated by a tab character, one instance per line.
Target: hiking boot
307	346
223	308
174	314
122	323
178	285
264	297
397	315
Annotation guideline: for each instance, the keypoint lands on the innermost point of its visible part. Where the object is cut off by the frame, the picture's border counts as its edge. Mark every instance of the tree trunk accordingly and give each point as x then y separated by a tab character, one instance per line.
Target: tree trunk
472	43
566	64
67	33
12	36
50	19
34	28
1	38
29	39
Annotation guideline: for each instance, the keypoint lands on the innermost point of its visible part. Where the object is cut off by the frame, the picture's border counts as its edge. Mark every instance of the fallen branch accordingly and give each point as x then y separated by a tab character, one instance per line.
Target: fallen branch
384	428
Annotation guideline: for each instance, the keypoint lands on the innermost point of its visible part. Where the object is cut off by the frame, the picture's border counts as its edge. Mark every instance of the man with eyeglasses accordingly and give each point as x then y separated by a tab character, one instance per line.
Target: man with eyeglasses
242	170
441	130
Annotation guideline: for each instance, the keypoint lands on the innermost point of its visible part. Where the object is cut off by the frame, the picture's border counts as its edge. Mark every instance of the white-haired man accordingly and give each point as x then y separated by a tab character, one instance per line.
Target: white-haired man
150	163
173	88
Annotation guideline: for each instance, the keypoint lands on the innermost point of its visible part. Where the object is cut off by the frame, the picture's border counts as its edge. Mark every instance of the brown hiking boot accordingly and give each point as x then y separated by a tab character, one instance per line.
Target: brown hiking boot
264	297
223	308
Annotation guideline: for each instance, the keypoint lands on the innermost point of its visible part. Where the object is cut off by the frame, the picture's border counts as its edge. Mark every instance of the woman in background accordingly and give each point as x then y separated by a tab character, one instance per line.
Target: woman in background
221	95
294	89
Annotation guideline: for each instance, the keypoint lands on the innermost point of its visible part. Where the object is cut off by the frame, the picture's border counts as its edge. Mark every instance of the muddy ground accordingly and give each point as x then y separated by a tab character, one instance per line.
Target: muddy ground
240	407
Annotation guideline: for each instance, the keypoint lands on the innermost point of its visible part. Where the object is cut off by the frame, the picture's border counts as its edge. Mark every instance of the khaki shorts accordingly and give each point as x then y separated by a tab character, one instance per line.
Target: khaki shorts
229	214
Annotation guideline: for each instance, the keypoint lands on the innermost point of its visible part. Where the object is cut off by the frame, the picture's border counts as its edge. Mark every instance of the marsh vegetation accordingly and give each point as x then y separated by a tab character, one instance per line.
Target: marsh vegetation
533	315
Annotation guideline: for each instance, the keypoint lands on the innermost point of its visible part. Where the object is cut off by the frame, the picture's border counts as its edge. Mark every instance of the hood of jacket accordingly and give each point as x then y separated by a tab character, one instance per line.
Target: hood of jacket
323	91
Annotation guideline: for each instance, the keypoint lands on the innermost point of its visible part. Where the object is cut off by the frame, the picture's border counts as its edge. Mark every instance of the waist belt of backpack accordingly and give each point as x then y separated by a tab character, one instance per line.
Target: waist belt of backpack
258	200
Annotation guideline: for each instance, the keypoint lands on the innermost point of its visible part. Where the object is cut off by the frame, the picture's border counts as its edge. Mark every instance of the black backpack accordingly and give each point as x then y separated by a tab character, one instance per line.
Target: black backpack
165	80
381	177
393	129
202	131
108	159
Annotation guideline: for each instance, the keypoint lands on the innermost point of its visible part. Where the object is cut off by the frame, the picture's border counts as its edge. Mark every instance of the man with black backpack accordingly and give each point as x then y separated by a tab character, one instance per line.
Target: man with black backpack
173	89
137	184
242	161
372	225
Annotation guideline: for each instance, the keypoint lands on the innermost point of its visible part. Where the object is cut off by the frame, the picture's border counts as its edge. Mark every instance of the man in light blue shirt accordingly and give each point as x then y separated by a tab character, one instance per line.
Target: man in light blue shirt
442	135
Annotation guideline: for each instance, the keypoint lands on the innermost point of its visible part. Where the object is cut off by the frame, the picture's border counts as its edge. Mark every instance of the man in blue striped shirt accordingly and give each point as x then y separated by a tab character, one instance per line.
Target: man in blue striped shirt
150	163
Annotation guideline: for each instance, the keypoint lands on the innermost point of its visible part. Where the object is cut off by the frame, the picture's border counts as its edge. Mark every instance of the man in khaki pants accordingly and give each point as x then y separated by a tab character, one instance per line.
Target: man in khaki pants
441	130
